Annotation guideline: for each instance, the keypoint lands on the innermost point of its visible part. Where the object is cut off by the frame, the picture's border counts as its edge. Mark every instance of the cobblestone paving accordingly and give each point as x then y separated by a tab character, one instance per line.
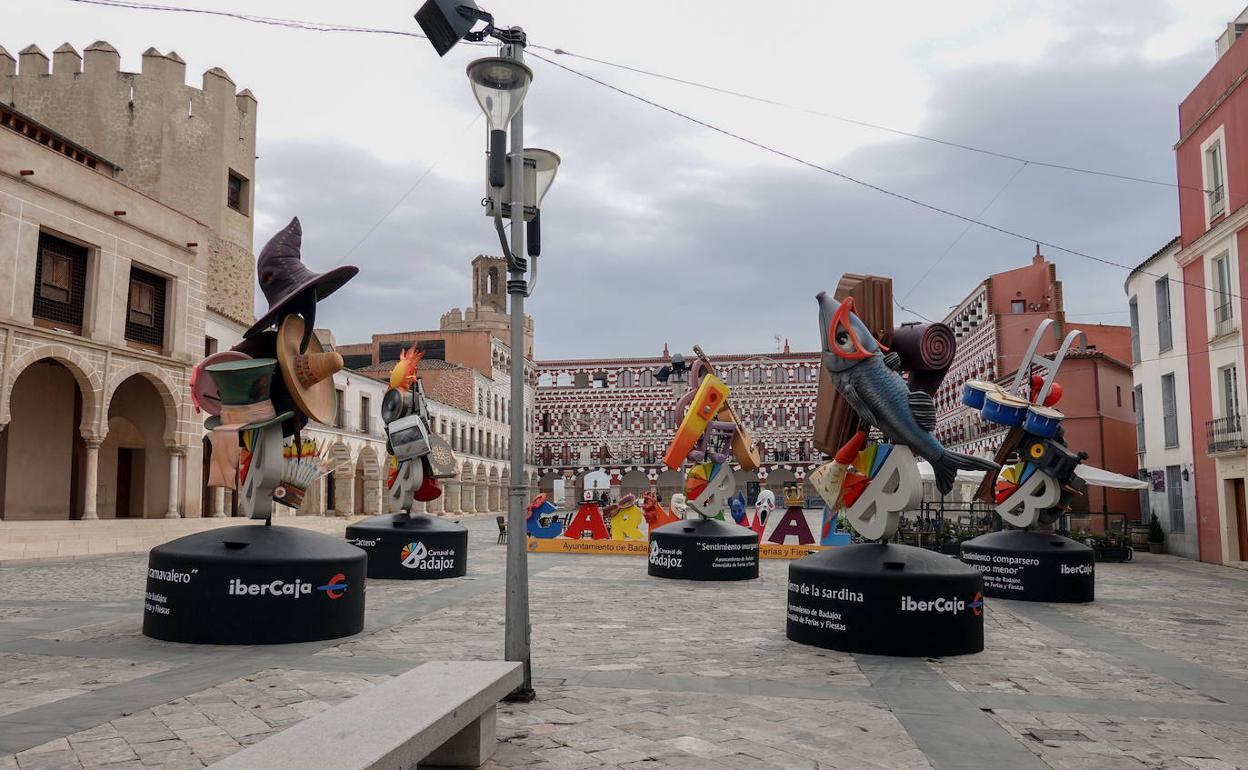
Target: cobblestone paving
636	673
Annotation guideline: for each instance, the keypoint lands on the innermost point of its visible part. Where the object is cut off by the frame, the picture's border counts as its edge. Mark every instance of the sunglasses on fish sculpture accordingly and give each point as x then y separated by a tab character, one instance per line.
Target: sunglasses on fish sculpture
844	342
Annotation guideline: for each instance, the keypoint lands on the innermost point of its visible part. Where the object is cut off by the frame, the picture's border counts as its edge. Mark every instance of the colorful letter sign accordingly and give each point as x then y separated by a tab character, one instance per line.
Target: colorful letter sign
588	518
793	522
538	508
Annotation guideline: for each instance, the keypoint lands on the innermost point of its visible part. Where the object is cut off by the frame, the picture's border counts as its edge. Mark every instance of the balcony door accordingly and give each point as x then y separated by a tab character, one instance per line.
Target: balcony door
1228	381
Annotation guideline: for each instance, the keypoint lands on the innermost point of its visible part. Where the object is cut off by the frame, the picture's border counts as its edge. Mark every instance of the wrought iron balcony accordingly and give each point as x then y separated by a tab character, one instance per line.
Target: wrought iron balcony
1225	434
1224	319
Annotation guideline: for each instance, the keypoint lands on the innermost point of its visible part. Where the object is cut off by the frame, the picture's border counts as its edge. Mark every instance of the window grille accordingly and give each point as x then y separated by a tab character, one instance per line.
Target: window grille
60	283
145	308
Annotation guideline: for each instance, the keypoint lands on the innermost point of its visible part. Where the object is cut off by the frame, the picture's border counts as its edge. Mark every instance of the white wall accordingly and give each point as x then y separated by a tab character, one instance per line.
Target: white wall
1147	373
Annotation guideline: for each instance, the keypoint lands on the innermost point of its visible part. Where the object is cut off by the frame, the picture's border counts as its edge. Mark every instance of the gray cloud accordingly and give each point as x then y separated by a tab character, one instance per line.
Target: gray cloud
646	240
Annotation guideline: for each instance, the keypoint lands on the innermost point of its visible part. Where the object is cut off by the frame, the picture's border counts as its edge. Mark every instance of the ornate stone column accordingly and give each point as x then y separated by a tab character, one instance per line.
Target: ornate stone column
451	494
175	454
483	498
91	482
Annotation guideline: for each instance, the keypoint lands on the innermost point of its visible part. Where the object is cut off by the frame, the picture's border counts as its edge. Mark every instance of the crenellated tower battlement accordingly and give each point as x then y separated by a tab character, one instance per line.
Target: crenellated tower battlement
191	148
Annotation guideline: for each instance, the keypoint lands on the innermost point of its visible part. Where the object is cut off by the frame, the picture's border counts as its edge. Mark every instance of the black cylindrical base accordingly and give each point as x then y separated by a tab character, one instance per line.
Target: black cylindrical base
703	549
415	547
254	584
1033	566
884	599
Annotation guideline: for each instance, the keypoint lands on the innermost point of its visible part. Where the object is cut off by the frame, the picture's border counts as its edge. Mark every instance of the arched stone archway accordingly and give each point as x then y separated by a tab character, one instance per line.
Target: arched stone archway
368	471
777	480
340	492
49	448
670	482
482	502
467	488
136	467
164	387
634	482
450	495
494	497
747	484
85	375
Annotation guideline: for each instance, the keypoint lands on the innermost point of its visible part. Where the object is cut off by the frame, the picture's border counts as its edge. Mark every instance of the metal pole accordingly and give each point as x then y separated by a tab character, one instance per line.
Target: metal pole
516	633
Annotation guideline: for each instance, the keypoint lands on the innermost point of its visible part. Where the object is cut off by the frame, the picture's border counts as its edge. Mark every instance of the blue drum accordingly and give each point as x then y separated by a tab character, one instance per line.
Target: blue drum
975	391
1004	409
1042	421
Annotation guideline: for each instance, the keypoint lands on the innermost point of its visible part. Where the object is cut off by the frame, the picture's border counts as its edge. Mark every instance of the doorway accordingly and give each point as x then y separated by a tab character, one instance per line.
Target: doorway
125	475
1241	517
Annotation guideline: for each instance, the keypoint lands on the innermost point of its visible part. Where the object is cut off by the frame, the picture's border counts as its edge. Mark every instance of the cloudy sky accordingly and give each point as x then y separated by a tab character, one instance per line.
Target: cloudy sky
660	230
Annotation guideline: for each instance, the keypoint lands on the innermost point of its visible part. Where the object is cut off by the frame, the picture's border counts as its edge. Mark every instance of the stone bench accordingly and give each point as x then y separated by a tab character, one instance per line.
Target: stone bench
440	713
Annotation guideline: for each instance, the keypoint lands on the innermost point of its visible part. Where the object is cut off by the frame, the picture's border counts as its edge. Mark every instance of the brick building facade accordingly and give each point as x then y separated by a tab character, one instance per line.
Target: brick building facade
613	415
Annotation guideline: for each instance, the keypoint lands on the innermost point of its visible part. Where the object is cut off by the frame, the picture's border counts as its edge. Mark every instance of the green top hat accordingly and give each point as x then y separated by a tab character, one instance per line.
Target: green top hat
244	388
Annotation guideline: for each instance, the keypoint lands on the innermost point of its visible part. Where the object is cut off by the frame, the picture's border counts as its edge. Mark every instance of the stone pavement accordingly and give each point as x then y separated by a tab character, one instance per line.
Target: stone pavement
636	672
25	541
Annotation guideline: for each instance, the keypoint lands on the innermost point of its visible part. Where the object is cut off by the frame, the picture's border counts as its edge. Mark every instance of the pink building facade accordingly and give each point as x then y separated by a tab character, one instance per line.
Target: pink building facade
1211	158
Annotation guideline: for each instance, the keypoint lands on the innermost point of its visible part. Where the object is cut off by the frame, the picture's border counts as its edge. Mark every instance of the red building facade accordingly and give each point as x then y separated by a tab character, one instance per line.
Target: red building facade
1211	158
994	326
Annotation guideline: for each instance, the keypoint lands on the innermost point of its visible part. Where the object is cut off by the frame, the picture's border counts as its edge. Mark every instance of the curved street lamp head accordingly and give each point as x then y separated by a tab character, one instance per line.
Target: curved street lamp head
499	86
545	167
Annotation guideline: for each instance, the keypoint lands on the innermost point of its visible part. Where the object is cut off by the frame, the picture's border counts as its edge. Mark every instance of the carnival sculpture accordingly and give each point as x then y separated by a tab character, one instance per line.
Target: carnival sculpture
877	597
256	395
409	544
709	437
1039	481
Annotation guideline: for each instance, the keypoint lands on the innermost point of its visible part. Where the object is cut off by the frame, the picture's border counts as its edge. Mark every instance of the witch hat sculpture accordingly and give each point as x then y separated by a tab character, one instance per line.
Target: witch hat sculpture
261	463
256	395
289	286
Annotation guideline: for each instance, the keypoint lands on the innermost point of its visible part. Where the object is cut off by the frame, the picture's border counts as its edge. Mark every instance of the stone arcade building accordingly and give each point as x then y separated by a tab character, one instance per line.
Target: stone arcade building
466	372
120	194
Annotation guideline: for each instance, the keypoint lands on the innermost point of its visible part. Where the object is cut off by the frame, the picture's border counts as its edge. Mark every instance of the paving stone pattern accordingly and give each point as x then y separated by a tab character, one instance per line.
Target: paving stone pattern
641	673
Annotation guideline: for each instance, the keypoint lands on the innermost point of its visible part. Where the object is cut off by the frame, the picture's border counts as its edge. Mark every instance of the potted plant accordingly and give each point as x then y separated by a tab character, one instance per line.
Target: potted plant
1156	536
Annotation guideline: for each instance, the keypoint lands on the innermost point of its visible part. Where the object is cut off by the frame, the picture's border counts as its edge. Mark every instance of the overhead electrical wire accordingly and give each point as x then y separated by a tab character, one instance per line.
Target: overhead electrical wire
965	230
314	26
869	185
324	27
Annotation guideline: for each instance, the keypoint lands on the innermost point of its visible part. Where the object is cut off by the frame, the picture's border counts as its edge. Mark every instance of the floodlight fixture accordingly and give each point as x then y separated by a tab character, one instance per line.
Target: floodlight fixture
499	86
446	22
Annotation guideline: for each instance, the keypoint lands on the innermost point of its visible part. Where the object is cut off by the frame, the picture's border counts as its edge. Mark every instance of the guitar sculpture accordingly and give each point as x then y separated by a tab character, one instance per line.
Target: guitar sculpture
709	433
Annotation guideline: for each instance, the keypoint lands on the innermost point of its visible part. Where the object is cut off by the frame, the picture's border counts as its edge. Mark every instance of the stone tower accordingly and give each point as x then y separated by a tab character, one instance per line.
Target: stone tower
192	149
489	304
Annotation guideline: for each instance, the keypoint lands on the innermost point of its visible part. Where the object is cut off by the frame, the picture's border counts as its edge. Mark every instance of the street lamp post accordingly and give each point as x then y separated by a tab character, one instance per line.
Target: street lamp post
516	633
499	84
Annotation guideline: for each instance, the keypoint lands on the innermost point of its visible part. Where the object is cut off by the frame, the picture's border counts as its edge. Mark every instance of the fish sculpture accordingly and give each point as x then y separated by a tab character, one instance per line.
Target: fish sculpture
874	387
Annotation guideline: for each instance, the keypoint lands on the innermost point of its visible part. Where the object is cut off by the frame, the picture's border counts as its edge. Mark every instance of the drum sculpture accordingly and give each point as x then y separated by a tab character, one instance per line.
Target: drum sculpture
1027	560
